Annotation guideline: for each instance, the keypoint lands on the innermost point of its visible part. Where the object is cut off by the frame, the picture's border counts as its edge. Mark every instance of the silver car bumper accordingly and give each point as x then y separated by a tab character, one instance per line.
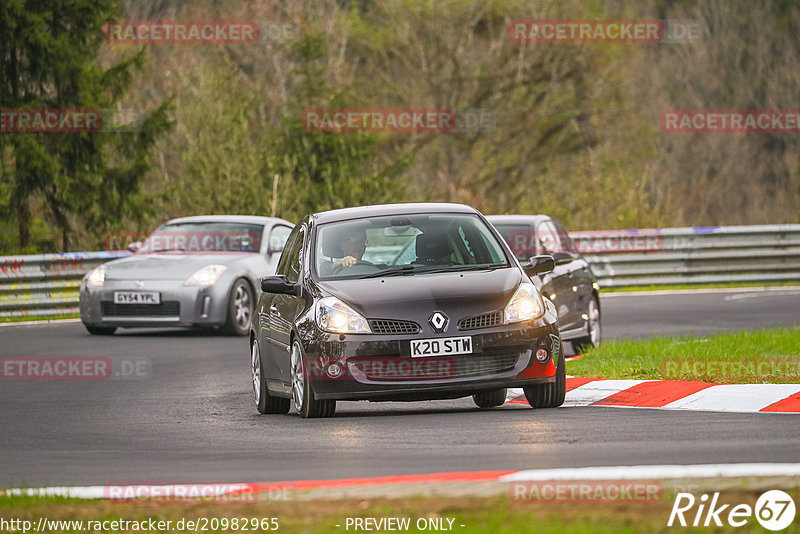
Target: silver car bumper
180	305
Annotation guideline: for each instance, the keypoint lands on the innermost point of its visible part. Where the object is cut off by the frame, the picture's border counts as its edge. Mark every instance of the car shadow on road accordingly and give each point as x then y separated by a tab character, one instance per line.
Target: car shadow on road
173	332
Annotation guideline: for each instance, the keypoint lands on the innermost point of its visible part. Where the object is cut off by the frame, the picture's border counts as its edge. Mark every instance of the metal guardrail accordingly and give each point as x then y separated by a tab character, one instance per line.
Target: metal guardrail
48	284
673	256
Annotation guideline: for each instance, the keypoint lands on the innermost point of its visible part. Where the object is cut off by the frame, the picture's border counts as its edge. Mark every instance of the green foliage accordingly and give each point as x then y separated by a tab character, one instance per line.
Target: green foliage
49	59
575	130
326	170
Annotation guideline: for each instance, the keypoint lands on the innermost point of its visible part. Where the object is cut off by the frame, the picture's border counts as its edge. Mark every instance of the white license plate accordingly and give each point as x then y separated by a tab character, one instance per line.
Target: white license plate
421	348
137	297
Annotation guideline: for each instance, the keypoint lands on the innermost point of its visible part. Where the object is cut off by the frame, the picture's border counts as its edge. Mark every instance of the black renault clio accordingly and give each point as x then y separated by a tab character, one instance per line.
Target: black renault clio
351	316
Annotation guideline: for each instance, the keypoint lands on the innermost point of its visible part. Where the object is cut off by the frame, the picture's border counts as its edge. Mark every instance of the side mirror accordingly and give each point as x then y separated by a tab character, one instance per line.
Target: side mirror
133	247
539	265
279	284
562	258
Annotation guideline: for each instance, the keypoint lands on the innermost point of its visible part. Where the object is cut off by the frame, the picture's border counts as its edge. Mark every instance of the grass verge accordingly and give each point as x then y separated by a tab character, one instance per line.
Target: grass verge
726	285
497	514
759	356
26	318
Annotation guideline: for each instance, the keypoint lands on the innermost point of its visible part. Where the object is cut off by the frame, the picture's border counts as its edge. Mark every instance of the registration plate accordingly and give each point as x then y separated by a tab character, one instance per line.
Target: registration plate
421	348
137	297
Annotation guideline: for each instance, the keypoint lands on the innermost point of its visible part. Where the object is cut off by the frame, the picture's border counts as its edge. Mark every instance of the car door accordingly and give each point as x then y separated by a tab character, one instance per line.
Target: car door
580	274
273	351
558	284
284	309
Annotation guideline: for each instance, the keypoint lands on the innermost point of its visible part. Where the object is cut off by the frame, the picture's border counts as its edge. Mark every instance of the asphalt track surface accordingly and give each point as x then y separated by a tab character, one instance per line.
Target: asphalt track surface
190	418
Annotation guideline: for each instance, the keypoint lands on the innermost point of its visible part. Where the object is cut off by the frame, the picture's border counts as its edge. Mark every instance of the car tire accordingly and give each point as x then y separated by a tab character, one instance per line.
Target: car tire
490	399
552	394
302	396
593	337
100	330
265	402
240	309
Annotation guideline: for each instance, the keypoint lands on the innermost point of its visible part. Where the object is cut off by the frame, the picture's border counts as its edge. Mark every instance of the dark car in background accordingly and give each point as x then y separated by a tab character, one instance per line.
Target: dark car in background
199	271
345	319
571	285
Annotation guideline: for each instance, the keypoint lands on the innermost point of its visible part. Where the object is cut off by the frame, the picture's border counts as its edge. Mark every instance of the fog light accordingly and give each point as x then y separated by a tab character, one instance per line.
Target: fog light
334	370
542	356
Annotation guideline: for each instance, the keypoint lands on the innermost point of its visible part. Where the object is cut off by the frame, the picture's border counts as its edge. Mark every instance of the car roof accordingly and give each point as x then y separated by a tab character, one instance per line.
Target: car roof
517	219
390	209
246	219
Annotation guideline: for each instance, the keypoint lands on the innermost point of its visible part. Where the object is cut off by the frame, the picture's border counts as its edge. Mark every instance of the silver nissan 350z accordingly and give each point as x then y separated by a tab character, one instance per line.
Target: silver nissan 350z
198	271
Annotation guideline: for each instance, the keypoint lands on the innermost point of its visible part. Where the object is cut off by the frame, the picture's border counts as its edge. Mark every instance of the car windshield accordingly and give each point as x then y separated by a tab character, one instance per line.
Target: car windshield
405	245
203	238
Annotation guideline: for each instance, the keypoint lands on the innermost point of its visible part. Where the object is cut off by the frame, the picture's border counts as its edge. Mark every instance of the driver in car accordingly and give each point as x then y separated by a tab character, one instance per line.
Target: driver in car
353	247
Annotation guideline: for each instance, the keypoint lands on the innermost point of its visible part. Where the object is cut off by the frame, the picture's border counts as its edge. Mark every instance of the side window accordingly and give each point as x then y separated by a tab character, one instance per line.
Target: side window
548	238
278	236
292	245
520	238
296	258
567	244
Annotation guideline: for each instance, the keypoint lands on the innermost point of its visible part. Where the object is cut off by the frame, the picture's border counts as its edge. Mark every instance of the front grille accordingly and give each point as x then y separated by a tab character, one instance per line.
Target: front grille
387	326
437	367
165	309
486	320
494	361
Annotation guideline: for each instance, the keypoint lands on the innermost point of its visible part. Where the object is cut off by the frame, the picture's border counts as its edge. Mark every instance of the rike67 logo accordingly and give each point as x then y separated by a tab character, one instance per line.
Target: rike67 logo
774	510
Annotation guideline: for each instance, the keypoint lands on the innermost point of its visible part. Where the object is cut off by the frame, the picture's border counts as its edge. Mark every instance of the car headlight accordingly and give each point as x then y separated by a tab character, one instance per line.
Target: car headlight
207	276
97	277
333	315
526	304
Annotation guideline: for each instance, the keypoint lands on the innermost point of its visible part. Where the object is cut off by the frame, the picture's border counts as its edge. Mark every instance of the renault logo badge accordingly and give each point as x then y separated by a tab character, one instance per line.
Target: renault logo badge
438	321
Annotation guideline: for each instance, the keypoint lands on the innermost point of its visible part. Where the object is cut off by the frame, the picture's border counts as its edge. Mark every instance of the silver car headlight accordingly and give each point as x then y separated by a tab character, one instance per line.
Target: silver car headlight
333	315
526	304
207	276
97	277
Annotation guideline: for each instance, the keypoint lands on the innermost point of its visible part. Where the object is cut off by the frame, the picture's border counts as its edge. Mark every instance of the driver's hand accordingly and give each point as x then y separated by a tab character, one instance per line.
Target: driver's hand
347	261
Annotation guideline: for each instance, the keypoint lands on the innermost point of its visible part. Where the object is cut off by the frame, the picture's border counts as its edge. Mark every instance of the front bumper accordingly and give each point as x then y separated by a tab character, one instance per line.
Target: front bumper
180	305
502	357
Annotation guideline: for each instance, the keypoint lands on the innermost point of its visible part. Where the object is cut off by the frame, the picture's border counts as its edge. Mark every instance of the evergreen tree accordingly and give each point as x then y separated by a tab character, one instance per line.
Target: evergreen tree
85	179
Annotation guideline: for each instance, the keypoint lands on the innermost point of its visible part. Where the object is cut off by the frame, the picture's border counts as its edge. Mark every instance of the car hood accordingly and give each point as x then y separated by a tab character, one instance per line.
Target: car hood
169	266
416	297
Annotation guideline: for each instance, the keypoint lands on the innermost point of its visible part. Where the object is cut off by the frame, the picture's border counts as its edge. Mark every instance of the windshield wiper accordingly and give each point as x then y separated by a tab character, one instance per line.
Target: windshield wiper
402	269
462	268
176	249
421	269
